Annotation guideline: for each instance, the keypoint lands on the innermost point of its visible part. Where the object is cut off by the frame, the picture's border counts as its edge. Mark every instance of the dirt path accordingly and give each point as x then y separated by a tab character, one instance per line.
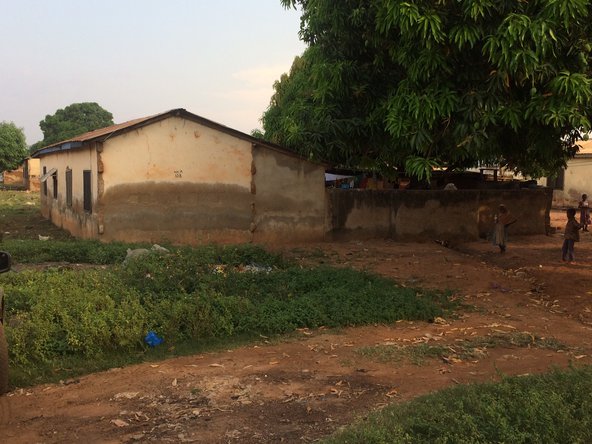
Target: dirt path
302	389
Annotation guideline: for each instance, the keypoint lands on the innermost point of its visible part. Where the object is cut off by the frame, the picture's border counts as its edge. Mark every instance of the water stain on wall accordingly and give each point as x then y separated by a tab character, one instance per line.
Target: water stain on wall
175	211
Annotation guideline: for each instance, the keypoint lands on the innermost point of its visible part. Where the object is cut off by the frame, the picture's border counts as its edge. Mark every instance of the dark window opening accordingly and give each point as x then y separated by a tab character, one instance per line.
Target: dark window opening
44	182
69	187
86	184
54	178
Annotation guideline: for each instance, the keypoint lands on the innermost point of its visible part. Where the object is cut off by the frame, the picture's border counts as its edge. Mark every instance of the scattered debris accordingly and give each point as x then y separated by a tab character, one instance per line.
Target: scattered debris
119	422
152	339
133	254
392	393
126	395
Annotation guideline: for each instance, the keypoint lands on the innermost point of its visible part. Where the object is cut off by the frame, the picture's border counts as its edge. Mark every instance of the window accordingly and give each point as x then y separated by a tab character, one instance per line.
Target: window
68	187
54	178
86	184
45	182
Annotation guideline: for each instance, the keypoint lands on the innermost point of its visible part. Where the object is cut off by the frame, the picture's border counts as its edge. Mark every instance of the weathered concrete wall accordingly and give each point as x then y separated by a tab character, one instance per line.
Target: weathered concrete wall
577	181
31	169
407	215
175	181
289	197
14	177
176	150
182	182
180	213
27	175
73	219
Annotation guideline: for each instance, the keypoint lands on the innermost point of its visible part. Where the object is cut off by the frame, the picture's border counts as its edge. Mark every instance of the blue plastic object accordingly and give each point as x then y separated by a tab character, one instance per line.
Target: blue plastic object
152	339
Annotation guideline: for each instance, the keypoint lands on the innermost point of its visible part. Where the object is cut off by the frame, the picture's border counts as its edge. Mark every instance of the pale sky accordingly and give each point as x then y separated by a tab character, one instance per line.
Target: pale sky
215	58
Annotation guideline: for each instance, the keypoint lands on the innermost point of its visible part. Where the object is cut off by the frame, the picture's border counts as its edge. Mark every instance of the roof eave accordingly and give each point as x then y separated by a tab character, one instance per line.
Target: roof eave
55	148
178	112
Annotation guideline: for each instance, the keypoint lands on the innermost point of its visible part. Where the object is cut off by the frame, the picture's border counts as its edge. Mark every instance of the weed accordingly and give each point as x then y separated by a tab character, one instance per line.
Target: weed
56	315
70	251
465	349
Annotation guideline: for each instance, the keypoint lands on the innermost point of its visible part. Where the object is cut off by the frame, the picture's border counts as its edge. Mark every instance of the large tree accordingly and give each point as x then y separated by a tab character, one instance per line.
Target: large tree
446	82
13	146
73	120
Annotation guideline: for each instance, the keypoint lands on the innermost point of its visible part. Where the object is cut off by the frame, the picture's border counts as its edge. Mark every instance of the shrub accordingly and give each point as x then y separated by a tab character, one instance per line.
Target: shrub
53	314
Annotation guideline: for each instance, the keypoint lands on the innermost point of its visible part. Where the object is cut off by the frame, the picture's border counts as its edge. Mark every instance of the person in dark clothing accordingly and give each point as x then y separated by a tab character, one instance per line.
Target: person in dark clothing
584	212
571	235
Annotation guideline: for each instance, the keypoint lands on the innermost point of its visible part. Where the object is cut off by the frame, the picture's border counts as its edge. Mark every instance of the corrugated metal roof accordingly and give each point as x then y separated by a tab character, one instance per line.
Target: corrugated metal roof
98	133
103	134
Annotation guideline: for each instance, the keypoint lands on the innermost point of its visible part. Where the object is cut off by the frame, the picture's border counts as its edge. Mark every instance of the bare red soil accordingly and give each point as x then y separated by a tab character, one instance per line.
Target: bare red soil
302	389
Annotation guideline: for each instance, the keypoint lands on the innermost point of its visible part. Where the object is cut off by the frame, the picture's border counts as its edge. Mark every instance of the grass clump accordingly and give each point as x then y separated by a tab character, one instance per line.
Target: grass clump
550	408
465	349
32	251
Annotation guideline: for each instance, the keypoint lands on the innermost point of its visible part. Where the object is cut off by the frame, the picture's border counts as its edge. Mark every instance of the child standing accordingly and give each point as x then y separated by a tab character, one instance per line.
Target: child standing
584	212
570	236
500	231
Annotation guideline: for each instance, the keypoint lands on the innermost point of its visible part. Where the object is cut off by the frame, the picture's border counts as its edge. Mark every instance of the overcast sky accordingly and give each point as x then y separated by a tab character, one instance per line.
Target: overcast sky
215	58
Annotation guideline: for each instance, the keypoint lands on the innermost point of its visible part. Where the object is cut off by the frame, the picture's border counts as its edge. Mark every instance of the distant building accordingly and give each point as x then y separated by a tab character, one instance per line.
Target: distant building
575	180
26	176
31	173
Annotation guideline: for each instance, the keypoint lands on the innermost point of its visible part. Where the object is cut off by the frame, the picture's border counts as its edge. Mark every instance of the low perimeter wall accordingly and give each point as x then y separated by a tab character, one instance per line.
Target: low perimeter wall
409	215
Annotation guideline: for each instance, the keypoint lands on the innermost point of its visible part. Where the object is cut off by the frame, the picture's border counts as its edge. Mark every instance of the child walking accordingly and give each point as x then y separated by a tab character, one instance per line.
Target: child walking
584	212
571	235
500	231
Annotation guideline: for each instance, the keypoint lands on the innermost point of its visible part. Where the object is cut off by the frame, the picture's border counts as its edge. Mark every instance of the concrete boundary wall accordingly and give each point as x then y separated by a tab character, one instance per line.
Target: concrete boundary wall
418	215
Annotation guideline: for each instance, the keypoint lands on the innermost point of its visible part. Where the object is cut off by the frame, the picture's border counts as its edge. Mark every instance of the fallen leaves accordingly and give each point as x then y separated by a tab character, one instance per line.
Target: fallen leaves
126	395
336	392
392	393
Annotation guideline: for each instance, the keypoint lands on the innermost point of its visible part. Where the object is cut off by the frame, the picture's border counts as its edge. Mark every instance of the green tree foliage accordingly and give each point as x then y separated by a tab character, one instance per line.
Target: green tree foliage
448	82
73	120
13	146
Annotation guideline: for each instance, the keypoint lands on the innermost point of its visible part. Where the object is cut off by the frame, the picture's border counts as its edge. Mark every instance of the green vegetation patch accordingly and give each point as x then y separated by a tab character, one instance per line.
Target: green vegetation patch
550	408
465	349
189	295
33	251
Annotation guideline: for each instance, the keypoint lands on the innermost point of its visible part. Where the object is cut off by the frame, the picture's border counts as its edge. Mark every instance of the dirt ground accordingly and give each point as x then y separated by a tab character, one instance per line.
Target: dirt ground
302	389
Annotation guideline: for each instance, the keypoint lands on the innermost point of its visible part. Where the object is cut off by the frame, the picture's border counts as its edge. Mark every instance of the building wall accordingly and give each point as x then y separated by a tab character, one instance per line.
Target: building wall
14	177
182	182
31	174
577	181
408	215
71	218
289	197
27	175
175	181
